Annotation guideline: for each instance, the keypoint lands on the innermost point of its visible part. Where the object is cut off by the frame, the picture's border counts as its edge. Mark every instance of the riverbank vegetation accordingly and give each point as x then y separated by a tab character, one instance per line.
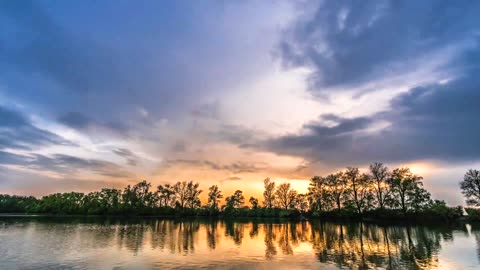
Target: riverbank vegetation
379	194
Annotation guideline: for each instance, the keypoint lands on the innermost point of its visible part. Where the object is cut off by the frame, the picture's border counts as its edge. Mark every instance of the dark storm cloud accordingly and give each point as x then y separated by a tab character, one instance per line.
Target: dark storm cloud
69	57
77	71
16	131
352	42
47	48
437	121
348	43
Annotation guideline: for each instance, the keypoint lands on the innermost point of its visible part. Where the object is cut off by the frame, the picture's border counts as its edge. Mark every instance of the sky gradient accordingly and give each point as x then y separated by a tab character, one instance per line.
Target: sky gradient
107	93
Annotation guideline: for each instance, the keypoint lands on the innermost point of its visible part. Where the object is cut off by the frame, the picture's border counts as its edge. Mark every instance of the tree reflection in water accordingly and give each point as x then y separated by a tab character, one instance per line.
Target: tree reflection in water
475	230
349	246
352	246
212	234
269	238
235	231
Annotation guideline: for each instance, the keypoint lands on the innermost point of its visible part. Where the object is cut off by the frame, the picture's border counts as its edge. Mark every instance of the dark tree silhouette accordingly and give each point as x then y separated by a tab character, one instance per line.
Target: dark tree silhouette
361	187
380	175
285	196
166	195
338	187
471	187
214	196
407	190
269	193
186	194
254	202
347	194
319	197
237	200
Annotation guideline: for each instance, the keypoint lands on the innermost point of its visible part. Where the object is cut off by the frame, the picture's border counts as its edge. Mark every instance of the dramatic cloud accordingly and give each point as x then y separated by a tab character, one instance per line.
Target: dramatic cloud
350	43
130	157
365	43
64	164
435	122
233	92
16	131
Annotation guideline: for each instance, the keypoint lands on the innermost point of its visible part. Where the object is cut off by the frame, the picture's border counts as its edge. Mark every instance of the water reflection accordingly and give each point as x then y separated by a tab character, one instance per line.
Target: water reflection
172	244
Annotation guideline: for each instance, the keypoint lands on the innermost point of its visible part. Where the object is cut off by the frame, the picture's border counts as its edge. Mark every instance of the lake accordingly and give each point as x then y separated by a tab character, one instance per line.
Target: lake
93	243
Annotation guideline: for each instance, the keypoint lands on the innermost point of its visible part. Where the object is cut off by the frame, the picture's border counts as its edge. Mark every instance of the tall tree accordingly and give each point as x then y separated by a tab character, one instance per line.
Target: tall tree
471	187
380	175
365	193
166	195
338	188
138	196
318	194
352	176
111	198
187	194
181	193
214	196
237	200
360	186
285	196
407	190
301	202
269	193
143	196
193	193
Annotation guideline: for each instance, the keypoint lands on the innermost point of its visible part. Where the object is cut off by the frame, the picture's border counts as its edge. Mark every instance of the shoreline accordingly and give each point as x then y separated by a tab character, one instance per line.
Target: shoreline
406	221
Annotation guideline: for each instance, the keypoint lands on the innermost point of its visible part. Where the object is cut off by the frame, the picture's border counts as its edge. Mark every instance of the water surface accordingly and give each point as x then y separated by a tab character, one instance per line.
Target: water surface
88	243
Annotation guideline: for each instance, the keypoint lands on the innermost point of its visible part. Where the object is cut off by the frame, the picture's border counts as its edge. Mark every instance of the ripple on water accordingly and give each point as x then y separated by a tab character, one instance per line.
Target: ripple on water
167	244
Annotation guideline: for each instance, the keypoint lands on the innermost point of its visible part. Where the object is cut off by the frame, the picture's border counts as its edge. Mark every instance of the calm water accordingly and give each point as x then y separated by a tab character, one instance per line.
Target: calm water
52	243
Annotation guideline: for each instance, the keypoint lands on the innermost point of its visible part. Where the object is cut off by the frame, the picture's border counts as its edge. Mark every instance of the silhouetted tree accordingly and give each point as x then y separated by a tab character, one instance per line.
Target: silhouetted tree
193	194
380	174
166	195
318	194
301	202
254	202
285	196
181	193
338	188
237	200
360	185
400	190
214	196
269	193
471	187
186	194
407	190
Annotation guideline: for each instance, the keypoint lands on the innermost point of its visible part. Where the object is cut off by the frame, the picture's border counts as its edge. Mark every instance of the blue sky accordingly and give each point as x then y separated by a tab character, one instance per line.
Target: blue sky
96	94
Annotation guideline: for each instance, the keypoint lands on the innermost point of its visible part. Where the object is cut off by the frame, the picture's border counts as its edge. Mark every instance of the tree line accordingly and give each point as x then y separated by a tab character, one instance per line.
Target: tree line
380	193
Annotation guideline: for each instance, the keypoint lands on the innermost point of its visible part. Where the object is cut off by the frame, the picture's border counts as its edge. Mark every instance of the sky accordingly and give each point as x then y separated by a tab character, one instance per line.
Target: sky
107	93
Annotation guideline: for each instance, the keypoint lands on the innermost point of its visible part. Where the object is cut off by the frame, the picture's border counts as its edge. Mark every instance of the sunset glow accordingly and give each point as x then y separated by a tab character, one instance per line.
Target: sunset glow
183	91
